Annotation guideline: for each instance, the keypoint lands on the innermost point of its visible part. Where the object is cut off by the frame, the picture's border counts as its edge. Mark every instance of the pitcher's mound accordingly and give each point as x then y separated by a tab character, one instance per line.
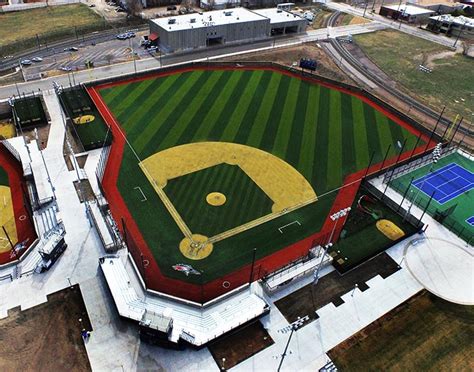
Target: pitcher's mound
216	199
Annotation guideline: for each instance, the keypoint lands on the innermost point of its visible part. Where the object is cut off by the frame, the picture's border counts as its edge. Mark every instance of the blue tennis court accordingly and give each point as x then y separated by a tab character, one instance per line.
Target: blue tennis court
470	220
446	183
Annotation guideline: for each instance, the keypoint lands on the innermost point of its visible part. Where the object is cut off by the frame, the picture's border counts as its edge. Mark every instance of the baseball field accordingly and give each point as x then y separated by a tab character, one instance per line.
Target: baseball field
208	164
16	229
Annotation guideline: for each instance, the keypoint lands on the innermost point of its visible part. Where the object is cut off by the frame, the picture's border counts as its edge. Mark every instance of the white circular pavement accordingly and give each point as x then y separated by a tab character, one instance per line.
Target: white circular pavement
443	268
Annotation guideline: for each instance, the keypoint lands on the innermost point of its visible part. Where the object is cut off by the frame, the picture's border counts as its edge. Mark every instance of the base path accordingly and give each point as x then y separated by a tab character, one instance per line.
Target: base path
443	268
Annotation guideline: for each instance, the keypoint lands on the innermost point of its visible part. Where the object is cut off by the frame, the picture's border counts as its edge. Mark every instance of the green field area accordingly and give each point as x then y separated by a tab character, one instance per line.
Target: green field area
321	132
462	204
92	134
18	30
425	333
30	112
3	177
400	55
233	183
361	239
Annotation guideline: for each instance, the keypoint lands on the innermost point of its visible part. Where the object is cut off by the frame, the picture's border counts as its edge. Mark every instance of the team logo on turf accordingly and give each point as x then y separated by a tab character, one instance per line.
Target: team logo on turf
186	269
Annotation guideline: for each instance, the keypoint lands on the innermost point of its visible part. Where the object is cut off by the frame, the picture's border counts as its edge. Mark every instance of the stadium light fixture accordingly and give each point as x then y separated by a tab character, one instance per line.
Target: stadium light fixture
291	328
334	217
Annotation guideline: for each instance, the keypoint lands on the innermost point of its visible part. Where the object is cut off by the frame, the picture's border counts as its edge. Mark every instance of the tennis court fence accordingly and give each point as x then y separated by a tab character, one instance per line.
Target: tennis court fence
414	165
445	219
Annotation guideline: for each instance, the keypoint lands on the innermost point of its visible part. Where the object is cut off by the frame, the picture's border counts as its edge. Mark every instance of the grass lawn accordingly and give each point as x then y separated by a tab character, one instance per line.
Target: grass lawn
349	19
188	194
463	203
399	55
425	333
321	132
50	23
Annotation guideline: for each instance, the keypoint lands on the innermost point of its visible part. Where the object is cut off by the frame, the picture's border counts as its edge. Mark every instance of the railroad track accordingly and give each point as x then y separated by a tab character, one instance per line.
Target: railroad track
356	64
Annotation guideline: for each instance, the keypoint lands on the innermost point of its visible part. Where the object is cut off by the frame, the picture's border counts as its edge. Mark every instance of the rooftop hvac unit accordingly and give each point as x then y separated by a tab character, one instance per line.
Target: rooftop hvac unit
228	13
193	20
171	21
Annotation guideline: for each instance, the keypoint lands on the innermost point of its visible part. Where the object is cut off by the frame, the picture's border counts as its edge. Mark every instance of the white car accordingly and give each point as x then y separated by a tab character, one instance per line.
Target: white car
37	59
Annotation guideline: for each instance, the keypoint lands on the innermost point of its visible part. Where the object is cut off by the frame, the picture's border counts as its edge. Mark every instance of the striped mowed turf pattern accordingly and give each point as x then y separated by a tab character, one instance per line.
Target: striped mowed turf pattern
3	177
188	195
323	133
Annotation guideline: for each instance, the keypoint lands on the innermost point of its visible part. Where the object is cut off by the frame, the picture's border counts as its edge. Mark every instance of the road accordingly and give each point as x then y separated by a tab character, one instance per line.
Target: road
403	27
128	68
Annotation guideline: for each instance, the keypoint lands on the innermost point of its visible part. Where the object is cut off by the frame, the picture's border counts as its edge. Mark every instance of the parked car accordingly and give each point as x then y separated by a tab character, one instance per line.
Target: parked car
37	59
26	62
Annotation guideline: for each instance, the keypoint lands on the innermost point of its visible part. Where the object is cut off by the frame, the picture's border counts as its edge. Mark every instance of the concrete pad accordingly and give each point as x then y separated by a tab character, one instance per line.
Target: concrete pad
443	268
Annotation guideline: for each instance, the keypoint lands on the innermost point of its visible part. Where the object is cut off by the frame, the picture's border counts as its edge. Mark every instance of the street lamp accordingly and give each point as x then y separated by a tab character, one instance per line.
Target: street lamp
435	157
291	328
334	217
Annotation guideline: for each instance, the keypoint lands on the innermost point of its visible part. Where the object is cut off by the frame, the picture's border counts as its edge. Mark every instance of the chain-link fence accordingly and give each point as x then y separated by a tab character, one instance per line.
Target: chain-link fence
442	216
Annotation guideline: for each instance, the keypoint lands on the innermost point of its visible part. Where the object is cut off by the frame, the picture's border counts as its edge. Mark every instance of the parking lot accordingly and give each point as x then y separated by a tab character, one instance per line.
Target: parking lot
70	59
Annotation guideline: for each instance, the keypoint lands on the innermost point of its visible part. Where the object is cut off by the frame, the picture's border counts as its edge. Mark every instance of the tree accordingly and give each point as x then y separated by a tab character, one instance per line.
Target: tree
134	7
187	5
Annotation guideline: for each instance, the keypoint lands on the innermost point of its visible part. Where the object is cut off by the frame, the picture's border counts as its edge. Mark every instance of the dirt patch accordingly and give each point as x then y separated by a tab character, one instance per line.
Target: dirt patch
290	57
424	333
84	190
81	160
239	346
42	133
428	62
46	337
330	288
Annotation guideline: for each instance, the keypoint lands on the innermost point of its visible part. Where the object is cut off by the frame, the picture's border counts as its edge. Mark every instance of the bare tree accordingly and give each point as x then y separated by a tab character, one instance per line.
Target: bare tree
187	5
134	7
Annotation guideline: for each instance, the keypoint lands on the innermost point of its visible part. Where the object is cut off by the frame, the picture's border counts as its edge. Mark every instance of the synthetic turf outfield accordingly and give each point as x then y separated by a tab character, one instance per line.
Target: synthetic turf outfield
3	177
323	133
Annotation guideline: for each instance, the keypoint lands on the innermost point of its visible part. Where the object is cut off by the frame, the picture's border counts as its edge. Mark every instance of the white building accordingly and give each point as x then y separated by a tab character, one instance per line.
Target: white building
219	27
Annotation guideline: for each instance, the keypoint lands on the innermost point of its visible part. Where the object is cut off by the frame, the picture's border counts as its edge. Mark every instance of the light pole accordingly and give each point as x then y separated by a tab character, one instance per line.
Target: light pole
291	328
17	123
133	55
334	217
435	157
459	34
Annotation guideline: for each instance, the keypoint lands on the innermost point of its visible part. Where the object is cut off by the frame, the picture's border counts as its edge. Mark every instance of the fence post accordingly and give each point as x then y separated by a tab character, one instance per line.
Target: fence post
405	193
426	208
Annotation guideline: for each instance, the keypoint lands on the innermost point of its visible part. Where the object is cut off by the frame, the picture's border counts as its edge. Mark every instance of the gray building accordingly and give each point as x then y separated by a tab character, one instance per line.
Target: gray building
199	30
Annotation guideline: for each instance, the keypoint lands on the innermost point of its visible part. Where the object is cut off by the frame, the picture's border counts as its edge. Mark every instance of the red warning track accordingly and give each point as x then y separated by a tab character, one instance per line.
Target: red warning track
24	224
152	275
